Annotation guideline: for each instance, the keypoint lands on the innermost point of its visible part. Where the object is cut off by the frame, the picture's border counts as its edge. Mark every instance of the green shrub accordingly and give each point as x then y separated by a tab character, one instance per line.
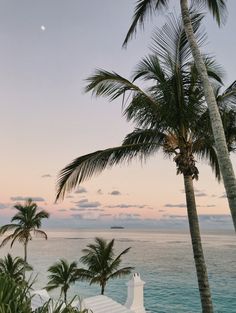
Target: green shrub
14	297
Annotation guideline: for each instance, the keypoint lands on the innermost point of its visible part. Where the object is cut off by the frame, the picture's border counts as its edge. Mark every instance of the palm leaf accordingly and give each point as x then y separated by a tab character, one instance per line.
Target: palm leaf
40	233
217	8
7	227
143	10
121	272
94	163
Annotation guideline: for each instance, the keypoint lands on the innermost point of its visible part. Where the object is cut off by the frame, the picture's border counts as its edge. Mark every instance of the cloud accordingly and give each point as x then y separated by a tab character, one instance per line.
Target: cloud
84	203
115	193
223	196
78	209
85	217
198	192
61	210
175	216
94	204
80	201
126	206
69	197
128	216
46	176
104	220
81	190
105	215
20	198
207	221
85	209
79	216
179	205
215	218
4	206
99	192
183	205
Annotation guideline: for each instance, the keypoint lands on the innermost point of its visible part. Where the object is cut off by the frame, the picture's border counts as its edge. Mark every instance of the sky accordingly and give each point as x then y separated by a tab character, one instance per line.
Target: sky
48	49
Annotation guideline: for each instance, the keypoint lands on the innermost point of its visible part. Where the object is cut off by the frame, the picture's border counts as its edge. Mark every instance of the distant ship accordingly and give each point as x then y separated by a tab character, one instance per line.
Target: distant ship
117	227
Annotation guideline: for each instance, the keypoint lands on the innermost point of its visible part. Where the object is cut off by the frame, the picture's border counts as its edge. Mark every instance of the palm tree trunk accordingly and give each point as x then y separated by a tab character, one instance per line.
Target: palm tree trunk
65	297
200	265
25	251
216	123
102	288
25	256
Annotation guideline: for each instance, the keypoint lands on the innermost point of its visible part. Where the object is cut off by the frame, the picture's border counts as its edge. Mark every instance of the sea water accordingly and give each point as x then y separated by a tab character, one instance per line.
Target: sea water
164	260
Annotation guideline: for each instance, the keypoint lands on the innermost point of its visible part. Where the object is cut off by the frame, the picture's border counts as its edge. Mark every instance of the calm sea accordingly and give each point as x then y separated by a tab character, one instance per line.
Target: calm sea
164	260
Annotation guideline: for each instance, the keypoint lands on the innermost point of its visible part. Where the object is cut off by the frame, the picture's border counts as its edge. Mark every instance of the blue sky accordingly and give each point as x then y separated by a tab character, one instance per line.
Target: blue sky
47	119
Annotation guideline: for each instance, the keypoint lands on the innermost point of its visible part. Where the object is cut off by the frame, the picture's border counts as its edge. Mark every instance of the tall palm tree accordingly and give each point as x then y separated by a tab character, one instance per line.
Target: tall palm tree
14	267
24	222
170	115
62	274
102	264
143	10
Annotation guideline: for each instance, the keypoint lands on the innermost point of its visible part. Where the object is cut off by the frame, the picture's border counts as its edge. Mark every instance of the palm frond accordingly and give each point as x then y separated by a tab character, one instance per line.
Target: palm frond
40	233
121	272
228	97
145	137
111	85
143	10
6	240
170	43
217	8
7	227
94	163
214	70
84	275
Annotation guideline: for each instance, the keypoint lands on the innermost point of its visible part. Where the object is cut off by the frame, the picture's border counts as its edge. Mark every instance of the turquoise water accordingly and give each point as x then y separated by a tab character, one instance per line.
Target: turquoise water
164	260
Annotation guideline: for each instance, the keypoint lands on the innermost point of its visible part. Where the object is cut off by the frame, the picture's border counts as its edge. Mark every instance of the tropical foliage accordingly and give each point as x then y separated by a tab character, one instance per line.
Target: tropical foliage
63	275
102	264
14	297
143	10
169	114
24	222
14	267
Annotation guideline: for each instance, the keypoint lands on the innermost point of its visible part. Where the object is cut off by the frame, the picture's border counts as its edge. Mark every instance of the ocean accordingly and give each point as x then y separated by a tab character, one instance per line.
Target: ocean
164	260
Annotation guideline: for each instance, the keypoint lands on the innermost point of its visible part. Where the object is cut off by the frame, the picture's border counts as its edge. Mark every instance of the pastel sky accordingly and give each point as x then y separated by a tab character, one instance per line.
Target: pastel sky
48	48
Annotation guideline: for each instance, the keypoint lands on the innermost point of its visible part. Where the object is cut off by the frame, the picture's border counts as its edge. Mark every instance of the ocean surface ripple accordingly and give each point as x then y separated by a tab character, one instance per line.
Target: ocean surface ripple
164	260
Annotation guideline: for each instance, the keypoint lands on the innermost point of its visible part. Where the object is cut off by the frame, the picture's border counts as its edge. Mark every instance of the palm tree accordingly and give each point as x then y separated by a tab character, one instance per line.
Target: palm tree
62	274
14	267
143	10
102	263
27	220
170	115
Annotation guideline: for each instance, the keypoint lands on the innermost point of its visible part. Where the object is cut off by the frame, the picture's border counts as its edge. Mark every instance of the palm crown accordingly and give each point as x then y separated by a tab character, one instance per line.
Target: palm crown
102	264
26	221
14	267
62	274
145	8
169	114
